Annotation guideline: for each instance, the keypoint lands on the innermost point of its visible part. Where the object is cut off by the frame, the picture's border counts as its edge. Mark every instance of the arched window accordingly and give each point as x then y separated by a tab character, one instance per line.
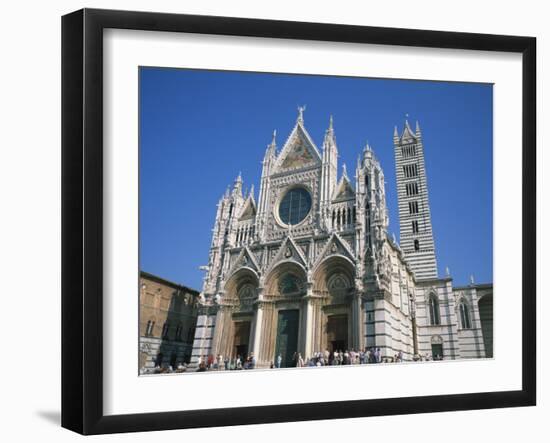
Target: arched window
149	328
165	330
433	307
464	315
416	245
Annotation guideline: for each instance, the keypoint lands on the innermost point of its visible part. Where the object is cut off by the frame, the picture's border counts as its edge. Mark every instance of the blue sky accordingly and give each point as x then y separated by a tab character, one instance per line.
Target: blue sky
198	129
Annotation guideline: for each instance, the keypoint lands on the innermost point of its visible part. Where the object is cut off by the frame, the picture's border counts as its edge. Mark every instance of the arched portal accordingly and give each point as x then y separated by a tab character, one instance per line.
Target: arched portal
337	318
232	336
284	319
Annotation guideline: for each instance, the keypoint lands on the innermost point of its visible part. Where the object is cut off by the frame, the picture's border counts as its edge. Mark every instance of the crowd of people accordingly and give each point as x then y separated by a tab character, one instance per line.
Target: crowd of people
325	358
227	364
339	357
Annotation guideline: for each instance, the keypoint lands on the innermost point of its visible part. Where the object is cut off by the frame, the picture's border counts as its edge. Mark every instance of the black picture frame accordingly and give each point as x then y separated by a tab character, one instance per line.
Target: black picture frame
82	218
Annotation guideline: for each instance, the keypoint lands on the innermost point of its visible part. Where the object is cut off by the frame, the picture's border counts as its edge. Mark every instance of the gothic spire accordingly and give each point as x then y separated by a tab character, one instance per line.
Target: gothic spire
238	185
367	151
330	139
272	147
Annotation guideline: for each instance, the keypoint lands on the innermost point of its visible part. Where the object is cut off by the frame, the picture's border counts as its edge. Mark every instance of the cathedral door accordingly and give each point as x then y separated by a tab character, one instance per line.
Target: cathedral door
287	337
241	338
337	332
437	351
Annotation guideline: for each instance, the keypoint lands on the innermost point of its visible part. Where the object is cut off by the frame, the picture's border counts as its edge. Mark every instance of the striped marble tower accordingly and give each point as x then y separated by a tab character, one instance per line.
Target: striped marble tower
415	223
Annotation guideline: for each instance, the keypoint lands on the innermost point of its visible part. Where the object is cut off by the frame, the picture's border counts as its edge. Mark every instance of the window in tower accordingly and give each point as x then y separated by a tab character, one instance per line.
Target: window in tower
295	206
408	151
411	188
415	226
410	170
413	207
416	245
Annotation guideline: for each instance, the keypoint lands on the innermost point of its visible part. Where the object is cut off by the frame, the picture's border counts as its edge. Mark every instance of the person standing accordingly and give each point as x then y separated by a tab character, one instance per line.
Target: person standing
279	361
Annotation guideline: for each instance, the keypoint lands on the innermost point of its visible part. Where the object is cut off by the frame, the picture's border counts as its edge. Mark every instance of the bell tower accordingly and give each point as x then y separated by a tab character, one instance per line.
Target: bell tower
415	222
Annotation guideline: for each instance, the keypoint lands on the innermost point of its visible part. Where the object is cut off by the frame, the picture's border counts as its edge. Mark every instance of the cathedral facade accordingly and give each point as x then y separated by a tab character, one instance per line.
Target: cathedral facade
309	265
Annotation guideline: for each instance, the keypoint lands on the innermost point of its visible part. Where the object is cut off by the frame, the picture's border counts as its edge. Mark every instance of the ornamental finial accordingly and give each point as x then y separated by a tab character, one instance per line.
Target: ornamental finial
301	110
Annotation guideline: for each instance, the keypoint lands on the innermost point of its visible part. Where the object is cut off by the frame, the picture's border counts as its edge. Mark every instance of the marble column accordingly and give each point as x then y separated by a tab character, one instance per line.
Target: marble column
256	329
307	317
308	329
357	338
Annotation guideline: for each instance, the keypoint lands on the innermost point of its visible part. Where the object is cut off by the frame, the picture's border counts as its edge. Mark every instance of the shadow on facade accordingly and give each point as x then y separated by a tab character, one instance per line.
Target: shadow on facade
485	305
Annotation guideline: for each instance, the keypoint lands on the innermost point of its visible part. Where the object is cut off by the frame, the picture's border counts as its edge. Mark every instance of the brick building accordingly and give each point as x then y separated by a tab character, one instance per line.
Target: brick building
167	321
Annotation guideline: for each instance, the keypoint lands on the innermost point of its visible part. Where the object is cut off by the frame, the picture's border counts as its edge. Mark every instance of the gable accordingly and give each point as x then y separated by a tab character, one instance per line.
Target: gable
335	246
298	156
344	191
249	210
244	259
289	251
299	151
